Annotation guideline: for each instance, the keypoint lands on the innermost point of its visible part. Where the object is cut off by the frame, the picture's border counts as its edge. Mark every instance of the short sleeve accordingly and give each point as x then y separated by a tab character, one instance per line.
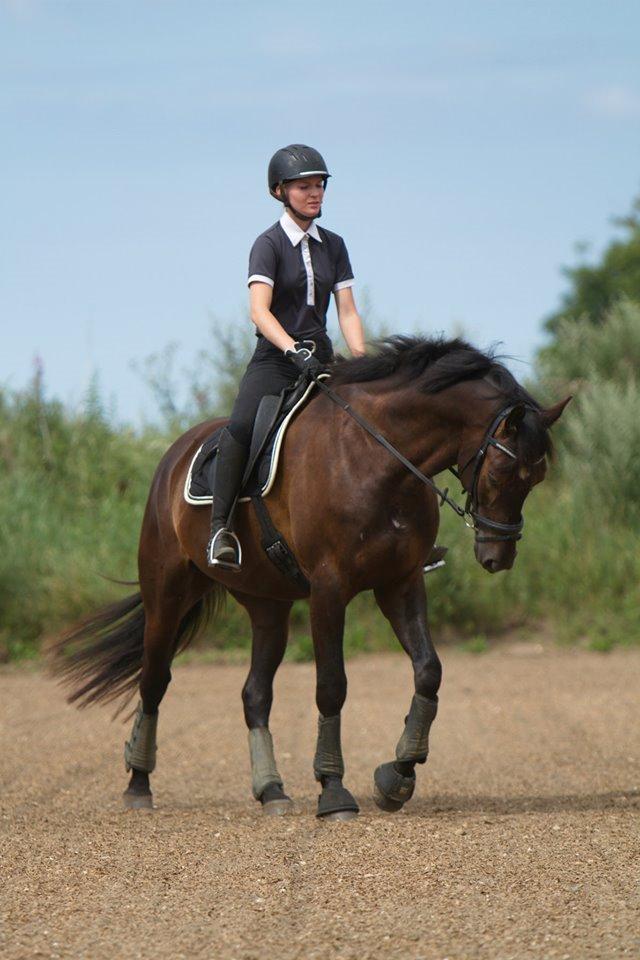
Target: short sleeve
262	262
344	273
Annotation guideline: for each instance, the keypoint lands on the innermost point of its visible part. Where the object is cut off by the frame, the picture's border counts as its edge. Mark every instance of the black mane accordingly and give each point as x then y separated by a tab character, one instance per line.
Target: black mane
433	364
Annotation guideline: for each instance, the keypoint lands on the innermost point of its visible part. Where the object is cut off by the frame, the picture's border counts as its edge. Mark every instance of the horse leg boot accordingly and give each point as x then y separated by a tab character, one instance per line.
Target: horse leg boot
404	605
335	802
140	759
140	750
327	625
269	623
395	782
223	549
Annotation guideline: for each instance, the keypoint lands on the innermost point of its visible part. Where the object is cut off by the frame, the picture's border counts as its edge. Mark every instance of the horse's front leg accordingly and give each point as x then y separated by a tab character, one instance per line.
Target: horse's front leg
327	609
404	604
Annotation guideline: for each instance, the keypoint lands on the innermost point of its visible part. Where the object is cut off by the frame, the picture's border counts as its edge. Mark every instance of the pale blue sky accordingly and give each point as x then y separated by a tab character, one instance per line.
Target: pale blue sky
472	144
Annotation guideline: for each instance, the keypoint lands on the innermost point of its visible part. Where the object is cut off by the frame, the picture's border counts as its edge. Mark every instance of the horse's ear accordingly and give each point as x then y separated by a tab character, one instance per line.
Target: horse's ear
514	418
550	416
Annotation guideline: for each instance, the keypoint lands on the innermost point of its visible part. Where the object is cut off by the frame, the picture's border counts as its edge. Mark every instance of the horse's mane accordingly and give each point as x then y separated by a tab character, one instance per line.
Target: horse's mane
434	363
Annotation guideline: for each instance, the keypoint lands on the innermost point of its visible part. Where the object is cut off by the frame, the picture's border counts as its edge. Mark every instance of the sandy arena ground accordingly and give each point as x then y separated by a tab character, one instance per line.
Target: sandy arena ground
523	839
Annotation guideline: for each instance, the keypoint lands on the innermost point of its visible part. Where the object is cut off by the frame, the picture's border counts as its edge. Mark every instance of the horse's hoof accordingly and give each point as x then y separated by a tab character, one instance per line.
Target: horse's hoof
392	789
384	803
340	815
277	808
137	801
335	802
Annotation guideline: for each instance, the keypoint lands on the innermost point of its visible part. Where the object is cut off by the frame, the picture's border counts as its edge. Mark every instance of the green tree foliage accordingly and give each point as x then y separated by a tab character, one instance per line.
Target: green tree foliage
594	288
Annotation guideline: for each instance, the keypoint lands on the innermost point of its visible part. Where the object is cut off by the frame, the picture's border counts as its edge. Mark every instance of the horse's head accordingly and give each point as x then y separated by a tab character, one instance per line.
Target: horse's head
510	460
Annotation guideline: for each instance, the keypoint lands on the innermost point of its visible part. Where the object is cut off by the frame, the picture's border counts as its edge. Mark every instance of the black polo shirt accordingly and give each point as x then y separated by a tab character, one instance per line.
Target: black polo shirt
304	269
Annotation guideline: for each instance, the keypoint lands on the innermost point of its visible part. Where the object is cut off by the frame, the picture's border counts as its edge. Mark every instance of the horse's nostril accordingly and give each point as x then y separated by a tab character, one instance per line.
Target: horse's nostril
491	565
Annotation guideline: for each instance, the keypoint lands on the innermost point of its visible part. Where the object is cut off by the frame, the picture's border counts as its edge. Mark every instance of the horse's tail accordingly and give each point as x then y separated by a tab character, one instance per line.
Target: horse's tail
100	658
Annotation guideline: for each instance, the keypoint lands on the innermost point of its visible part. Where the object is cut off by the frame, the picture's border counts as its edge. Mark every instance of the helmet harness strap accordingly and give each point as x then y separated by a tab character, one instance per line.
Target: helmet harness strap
284	197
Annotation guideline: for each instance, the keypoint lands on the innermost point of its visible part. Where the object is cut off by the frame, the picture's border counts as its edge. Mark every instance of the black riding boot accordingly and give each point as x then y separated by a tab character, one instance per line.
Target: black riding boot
223	549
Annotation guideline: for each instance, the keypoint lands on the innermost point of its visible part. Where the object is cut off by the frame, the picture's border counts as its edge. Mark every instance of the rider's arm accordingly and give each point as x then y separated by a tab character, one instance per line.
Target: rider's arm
350	321
260	296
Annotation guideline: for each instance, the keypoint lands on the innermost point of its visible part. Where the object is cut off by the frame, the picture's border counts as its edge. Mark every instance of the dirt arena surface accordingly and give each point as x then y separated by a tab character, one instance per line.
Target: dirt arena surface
523	839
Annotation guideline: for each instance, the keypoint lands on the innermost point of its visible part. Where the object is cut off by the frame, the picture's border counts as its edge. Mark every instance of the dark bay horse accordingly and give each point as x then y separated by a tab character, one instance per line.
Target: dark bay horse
357	520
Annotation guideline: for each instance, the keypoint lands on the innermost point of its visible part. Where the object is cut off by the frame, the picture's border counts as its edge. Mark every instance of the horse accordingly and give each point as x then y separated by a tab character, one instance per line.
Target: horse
356	519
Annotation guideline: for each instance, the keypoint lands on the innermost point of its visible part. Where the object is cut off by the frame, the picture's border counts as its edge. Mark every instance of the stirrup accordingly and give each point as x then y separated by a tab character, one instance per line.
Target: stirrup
227	564
439	561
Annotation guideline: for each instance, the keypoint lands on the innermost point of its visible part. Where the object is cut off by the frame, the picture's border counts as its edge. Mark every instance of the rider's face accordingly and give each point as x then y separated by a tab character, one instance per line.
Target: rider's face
305	196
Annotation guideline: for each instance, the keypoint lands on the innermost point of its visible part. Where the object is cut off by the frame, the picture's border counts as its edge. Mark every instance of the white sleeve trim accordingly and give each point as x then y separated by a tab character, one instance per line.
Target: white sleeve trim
257	277
343	285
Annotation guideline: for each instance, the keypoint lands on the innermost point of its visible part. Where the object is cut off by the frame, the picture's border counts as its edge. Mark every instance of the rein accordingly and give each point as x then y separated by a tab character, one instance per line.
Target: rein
504	531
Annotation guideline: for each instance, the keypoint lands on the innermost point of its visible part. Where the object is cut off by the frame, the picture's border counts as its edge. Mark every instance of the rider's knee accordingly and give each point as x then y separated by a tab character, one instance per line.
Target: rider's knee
241	431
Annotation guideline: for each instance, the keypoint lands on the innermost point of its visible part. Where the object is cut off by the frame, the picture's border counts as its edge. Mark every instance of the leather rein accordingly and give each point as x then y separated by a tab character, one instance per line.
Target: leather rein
470	513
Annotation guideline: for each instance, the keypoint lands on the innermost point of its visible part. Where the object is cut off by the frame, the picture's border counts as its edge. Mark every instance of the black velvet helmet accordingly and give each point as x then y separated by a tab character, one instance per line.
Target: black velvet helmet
294	162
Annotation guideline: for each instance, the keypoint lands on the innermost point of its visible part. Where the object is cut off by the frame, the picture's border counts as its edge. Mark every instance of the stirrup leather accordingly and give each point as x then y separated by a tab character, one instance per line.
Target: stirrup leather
229	564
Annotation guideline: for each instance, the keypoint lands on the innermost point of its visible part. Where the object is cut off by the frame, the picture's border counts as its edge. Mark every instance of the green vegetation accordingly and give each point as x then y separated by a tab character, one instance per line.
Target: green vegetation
73	487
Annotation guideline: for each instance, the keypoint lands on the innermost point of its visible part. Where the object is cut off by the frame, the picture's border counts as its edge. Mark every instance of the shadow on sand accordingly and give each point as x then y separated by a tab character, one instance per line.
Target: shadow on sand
504	806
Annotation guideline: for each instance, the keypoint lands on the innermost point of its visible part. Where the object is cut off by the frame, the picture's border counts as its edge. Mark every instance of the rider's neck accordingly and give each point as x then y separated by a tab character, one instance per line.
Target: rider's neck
303	222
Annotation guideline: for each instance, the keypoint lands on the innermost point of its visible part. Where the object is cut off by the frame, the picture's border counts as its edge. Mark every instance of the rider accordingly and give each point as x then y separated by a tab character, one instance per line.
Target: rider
294	267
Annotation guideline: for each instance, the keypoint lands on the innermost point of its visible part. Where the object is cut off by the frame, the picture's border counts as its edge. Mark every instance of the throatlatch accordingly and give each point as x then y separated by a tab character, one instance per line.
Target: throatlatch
263	761
140	751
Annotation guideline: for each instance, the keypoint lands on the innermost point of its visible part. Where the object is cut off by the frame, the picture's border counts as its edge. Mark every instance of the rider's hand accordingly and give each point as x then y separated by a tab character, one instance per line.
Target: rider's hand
305	361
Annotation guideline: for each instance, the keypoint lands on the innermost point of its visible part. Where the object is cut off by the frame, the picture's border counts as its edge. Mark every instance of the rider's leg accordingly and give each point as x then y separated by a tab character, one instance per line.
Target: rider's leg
267	373
231	460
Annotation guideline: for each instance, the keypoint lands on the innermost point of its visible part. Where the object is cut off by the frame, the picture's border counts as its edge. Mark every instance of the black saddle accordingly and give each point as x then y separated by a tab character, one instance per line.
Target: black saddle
273	410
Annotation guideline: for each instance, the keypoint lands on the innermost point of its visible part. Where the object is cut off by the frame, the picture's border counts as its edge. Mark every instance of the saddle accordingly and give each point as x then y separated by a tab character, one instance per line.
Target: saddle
272	420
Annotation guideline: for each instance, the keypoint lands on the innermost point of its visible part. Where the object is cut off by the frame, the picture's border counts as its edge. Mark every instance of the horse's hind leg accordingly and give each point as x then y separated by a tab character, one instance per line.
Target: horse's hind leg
140	750
168	605
270	625
404	604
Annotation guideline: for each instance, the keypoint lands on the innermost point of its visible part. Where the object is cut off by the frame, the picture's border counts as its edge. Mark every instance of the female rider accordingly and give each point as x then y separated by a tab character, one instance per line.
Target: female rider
294	267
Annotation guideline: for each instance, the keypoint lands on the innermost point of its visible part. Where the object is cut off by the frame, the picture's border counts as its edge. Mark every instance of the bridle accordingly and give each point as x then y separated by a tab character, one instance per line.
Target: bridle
470	513
503	531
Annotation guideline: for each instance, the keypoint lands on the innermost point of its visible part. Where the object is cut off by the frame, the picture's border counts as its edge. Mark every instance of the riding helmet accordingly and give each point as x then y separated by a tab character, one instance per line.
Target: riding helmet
293	162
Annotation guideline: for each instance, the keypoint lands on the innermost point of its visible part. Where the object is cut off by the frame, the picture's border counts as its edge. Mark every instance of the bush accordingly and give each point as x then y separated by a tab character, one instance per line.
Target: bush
601	436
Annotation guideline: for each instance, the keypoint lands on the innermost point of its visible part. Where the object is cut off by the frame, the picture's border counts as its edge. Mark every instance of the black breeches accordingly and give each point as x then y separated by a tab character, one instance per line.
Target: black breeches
268	372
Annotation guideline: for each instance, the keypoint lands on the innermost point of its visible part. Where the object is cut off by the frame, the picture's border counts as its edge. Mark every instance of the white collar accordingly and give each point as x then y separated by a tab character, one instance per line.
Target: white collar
295	232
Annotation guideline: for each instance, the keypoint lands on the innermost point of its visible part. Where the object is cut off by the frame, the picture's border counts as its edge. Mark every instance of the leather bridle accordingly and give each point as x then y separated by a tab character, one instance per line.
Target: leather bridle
503	531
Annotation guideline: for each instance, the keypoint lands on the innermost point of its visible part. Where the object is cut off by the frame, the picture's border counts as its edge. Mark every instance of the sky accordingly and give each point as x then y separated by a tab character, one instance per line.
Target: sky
472	145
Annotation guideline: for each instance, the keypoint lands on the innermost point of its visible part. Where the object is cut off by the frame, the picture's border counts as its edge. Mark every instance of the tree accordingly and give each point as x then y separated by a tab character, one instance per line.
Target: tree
595	288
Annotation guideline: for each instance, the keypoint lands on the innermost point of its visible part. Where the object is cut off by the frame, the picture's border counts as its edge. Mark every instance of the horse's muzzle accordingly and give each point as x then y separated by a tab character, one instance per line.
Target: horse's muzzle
494	557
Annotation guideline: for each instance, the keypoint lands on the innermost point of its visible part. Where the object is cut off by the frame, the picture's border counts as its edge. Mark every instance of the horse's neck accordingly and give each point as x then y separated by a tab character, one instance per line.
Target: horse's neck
427	429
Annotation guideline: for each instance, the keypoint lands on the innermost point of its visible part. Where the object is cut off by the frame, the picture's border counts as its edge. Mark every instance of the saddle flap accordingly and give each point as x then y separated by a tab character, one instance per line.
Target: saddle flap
266	419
